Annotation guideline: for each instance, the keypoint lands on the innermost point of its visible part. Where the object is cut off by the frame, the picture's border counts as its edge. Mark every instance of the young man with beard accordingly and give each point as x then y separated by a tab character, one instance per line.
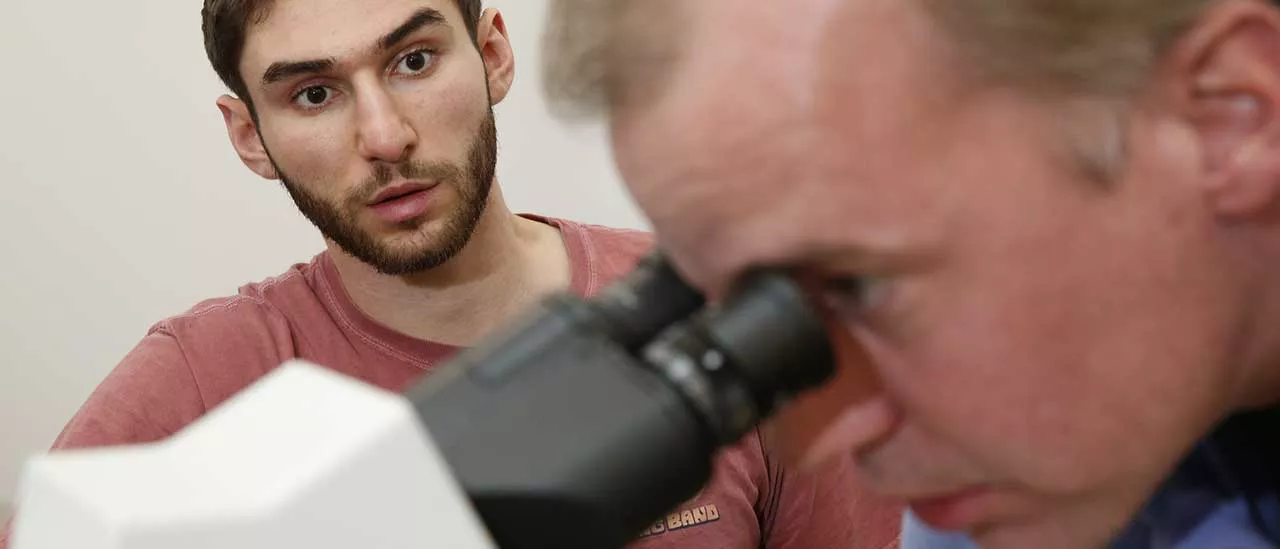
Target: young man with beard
376	115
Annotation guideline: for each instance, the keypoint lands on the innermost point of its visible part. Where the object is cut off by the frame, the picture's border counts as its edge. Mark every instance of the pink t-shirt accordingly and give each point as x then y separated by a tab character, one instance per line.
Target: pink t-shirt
188	364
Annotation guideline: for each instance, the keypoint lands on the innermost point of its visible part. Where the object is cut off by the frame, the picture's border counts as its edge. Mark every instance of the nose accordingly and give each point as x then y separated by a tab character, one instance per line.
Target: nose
384	133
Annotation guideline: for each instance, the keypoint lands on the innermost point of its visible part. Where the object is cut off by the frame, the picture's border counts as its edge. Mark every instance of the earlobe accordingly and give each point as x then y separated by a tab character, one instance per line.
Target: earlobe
243	132
1232	83
496	53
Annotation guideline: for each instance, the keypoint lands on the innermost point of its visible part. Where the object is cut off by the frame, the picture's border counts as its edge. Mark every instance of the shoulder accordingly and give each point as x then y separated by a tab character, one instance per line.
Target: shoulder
605	253
188	363
229	341
615	242
255	306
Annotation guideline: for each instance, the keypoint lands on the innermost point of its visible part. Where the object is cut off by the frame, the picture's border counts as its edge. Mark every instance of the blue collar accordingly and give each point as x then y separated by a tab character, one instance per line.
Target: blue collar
1230	482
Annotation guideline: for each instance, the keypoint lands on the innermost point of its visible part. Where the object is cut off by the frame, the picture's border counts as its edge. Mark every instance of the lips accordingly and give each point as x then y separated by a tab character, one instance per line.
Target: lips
403	203
398	191
955	511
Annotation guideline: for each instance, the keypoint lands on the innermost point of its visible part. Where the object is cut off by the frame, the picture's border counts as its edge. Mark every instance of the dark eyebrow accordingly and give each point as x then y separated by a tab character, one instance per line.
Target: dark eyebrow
424	17
421	18
281	70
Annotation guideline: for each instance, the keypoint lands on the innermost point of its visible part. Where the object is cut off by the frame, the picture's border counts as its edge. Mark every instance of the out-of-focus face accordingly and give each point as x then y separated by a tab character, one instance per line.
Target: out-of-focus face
376	115
1023	347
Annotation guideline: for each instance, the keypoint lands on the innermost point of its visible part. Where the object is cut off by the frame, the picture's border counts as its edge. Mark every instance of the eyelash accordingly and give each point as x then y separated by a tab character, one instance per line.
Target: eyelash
428	51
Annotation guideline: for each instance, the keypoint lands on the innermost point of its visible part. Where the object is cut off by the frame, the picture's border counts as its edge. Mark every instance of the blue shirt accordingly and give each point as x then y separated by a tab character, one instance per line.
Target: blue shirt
1224	495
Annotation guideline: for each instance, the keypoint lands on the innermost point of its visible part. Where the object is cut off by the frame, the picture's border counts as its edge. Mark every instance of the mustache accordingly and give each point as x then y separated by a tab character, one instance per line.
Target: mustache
384	174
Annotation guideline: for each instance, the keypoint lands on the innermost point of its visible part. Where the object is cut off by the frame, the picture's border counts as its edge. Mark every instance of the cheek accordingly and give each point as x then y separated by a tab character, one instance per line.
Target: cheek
983	389
446	115
311	150
1068	365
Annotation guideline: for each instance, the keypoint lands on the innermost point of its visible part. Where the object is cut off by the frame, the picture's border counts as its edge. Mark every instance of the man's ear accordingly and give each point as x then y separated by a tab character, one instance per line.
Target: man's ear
495	51
1228	74
243	132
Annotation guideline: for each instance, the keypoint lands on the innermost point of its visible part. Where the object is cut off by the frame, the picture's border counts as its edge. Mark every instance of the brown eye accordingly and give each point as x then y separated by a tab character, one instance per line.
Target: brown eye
313	97
415	62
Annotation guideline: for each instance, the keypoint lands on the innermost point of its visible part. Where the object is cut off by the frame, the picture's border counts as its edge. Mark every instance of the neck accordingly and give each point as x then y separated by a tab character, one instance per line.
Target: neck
508	264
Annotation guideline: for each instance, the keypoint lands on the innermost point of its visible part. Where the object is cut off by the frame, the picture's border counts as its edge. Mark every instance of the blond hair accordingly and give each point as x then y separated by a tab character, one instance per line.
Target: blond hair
1102	48
595	52
1094	54
1088	52
1066	47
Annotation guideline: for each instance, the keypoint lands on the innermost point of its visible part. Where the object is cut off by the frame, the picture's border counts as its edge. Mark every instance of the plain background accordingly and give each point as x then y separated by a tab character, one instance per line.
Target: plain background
123	202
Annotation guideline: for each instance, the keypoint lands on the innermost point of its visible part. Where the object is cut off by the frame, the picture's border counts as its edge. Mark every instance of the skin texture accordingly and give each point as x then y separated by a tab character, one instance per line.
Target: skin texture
381	113
1033	346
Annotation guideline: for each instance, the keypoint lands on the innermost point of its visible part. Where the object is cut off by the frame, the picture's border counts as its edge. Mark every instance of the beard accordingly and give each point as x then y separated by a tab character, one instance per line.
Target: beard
419	249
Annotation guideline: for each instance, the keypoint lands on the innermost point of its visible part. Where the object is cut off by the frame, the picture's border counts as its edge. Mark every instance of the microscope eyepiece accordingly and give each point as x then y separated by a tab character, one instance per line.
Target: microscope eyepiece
736	362
645	302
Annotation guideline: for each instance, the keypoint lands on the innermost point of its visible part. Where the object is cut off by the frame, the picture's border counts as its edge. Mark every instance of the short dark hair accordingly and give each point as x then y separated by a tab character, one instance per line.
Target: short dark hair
226	22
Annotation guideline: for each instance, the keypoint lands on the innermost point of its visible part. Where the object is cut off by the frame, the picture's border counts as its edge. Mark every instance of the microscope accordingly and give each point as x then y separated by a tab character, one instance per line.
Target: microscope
607	411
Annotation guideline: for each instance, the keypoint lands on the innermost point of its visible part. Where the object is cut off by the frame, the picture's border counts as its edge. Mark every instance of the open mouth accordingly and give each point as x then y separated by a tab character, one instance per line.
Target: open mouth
402	203
398	192
395	197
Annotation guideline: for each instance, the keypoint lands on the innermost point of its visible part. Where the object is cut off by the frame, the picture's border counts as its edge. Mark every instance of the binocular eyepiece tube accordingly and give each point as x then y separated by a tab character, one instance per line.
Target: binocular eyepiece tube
611	409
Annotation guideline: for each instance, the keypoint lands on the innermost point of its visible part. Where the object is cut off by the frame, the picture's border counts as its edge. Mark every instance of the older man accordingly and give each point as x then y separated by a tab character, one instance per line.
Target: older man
1046	233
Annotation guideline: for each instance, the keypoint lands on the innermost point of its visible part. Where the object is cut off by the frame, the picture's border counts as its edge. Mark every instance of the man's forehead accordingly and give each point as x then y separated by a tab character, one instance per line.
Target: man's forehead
304	29
747	216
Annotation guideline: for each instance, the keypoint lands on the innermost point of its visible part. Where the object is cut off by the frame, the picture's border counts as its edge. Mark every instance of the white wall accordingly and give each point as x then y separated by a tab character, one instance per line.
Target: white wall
122	202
